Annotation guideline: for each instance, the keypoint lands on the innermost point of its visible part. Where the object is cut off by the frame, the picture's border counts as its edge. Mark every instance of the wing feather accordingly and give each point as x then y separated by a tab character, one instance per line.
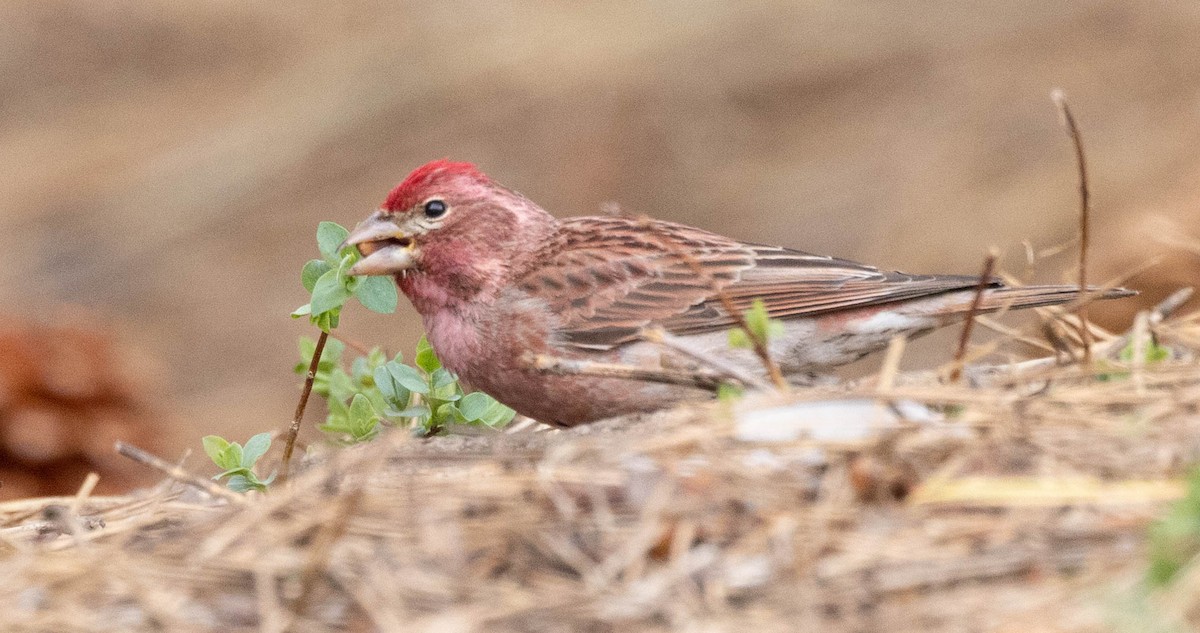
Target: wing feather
606	278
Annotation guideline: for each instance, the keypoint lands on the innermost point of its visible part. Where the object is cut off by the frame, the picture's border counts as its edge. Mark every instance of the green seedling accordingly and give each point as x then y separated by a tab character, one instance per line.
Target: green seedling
238	461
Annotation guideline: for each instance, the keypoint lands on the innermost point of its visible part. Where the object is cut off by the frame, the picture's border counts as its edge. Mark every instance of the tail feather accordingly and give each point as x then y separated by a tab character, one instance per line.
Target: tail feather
1020	297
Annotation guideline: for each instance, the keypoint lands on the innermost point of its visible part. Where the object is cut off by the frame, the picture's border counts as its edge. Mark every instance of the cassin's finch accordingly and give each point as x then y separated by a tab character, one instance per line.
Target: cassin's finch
495	277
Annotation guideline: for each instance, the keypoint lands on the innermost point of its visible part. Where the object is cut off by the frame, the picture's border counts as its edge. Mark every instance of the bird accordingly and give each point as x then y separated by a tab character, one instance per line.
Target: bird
497	280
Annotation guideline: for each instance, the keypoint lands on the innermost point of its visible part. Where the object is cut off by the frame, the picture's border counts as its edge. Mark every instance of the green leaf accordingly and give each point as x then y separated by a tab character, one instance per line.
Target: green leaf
339	385
231	457
244	483
377	294
473	406
214	446
307	347
449	413
312	271
255	448
327	321
426	358
303	310
328	293
334	349
480	408
362	420
760	324
416	411
233	471
394	393
408	377
497	415
330	235
442	377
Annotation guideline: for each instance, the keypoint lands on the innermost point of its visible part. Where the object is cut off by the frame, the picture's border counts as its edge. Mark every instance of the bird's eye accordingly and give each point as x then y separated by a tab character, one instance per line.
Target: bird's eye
435	209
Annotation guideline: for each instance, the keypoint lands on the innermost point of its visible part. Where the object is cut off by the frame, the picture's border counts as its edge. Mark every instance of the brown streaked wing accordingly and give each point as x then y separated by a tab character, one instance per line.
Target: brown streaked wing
609	277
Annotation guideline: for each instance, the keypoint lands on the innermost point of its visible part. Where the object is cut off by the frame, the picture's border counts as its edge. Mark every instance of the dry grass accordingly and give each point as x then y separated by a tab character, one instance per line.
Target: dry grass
1024	510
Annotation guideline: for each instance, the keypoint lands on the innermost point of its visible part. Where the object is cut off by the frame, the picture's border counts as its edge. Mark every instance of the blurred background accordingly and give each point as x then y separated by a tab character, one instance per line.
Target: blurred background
165	163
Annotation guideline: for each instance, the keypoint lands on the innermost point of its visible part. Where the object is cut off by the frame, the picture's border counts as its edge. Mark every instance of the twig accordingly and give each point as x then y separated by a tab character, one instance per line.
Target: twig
1060	345
964	339
1068	120
294	429
566	366
178	473
1013	333
757	344
722	366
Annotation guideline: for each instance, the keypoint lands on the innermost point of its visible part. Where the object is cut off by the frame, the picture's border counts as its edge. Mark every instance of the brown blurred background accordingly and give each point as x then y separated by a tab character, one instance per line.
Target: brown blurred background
165	163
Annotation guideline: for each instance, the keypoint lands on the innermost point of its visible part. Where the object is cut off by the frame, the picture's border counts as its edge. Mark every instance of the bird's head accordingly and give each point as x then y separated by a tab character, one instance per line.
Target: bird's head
452	224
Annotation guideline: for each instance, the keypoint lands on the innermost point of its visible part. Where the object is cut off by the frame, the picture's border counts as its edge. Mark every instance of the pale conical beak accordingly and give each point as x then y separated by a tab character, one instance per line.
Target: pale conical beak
386	249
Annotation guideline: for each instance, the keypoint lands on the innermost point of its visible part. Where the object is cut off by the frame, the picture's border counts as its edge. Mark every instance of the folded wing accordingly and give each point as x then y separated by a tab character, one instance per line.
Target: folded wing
609	277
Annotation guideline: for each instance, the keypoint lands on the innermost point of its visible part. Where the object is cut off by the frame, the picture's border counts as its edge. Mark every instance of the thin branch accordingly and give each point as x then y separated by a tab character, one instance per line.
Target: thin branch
294	429
566	366
1013	333
1068	120
720	365
985	277
178	473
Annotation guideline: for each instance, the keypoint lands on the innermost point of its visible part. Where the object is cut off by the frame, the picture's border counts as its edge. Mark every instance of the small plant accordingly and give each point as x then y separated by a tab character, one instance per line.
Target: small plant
1175	539
377	391
1154	353
238	461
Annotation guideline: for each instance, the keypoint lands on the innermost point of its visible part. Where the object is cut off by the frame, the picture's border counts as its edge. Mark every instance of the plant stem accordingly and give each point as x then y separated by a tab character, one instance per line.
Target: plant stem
1068	119
964	339
294	429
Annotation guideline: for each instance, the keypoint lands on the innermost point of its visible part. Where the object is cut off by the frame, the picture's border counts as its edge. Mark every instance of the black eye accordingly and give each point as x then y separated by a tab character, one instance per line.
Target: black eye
435	209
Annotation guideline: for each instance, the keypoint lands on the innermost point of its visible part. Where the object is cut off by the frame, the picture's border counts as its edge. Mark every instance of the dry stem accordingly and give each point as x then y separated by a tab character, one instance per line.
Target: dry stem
666	339
985	277
566	366
178	473
1060	100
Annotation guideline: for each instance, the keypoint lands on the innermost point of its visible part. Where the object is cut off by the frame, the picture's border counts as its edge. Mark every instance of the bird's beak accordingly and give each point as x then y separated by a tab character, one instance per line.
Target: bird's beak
386	249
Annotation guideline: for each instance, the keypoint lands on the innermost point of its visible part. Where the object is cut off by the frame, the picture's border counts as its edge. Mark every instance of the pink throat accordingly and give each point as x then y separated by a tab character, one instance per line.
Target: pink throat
451	323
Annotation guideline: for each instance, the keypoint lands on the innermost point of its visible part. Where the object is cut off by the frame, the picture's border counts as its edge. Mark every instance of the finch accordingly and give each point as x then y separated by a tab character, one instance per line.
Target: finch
496	278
